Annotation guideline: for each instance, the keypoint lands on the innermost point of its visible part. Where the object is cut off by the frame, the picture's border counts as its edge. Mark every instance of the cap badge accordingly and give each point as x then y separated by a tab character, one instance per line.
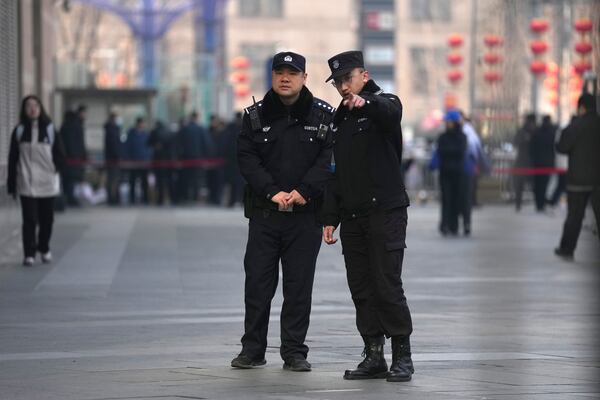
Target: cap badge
335	64
287	58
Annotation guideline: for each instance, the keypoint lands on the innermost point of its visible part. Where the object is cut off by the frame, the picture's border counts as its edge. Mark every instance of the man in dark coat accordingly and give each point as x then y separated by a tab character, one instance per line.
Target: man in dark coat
581	142
161	141
73	135
367	196
139	154
542	157
284	152
232	171
112	157
192	146
522	142
451	149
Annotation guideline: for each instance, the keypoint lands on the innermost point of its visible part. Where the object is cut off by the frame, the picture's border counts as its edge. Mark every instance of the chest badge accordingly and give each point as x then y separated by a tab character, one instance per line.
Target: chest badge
266	129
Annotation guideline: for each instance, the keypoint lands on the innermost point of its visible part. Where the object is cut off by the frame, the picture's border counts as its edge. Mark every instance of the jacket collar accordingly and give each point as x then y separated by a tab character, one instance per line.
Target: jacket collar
370	88
273	108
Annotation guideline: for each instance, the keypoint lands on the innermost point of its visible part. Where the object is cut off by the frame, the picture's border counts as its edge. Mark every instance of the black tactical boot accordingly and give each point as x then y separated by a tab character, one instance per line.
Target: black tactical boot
374	365
402	365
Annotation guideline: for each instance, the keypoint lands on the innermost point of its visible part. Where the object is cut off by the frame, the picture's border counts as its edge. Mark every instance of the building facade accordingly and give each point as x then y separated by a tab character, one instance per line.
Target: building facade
26	67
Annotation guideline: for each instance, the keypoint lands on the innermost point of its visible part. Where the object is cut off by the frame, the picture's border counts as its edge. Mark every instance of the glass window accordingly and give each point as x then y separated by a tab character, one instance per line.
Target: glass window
261	8
379	55
420	74
430	10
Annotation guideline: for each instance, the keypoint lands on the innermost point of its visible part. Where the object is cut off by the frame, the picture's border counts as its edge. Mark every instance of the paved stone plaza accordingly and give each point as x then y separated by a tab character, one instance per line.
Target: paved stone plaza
148	304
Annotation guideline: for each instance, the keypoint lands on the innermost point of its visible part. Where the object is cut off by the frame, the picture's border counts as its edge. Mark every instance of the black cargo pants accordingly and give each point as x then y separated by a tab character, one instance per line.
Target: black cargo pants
373	247
295	239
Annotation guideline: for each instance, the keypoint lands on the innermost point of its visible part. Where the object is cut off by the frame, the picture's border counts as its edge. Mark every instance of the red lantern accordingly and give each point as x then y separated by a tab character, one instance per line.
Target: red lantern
492	40
454	58
537	67
583	25
551	83
455	40
238	77
552	69
241	91
492	58
538	46
538	25
240	62
492	76
454	76
552	98
582	67
583	47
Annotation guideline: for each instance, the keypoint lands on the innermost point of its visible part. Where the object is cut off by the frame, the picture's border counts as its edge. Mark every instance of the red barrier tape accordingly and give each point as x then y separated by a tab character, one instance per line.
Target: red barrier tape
200	162
530	171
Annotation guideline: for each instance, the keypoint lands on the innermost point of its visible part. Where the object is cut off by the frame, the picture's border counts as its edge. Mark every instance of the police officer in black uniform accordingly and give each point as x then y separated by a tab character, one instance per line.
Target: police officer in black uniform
284	153
367	196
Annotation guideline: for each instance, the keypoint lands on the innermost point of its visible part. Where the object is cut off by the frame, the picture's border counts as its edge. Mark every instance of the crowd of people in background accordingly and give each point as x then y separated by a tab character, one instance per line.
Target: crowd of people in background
162	164
536	161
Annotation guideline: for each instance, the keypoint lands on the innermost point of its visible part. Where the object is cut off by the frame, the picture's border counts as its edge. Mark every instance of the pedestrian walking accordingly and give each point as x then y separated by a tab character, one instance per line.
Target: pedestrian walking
368	200
284	153
35	158
452	150
580	140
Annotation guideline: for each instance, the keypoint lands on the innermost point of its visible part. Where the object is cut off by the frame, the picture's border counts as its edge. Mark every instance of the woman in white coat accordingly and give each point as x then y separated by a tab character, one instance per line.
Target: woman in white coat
36	155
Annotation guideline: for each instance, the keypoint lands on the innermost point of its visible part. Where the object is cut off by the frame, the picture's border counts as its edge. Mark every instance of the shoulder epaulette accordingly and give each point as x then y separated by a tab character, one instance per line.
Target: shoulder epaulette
323	105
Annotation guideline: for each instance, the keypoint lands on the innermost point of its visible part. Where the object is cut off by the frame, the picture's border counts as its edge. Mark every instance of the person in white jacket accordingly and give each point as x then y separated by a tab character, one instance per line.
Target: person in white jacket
36	154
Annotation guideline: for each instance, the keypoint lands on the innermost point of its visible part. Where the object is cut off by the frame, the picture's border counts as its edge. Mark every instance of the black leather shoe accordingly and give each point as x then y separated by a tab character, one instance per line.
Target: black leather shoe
245	362
563	254
297	364
374	365
402	366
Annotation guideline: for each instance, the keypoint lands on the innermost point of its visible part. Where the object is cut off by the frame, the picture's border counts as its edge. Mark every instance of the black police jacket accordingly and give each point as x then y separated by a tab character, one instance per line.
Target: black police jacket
368	153
288	151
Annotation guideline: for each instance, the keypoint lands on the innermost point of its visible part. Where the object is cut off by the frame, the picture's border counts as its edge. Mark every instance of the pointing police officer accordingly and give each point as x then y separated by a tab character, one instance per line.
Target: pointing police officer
284	153
367	196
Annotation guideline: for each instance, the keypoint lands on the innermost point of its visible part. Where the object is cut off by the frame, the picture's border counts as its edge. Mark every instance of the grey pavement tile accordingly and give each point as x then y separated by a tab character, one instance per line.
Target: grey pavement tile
158	313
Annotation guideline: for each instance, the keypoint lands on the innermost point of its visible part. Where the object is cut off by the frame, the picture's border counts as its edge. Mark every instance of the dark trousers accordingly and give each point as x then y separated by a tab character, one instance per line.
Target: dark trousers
450	184
113	180
576	203
189	185
540	185
214	180
165	185
373	247
295	239
520	181
561	187
38	217
140	175
466	191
